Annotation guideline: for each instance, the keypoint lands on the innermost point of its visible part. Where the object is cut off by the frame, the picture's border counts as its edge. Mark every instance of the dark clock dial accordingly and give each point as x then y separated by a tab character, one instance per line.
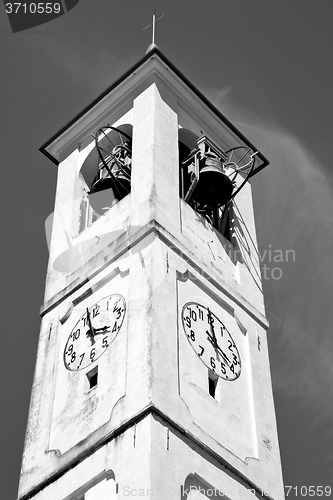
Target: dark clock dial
211	341
94	332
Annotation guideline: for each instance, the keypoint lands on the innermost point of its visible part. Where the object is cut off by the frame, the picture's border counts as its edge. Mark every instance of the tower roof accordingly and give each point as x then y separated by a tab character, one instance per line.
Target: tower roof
151	47
153	52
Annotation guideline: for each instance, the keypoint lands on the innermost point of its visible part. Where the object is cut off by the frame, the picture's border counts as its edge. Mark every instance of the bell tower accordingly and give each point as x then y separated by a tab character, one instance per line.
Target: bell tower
152	376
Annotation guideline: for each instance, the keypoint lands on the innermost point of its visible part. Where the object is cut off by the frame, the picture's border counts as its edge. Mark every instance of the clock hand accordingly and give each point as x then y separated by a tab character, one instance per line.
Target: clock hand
211	325
101	330
213	341
91	332
212	337
223	354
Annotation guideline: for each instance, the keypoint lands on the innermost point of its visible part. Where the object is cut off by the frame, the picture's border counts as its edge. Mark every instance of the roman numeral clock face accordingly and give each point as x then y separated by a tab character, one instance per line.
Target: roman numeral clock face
211	341
94	332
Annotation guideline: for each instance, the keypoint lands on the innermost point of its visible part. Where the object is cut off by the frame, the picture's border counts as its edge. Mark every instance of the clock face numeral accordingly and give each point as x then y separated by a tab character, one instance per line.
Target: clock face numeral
211	341
94	332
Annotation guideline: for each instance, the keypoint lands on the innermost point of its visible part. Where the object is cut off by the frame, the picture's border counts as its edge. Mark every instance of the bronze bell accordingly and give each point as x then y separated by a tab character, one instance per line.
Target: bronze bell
102	200
214	187
121	188
106	190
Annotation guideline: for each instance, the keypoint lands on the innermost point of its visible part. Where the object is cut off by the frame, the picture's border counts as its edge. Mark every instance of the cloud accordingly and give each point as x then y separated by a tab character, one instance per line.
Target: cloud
295	213
293	200
84	66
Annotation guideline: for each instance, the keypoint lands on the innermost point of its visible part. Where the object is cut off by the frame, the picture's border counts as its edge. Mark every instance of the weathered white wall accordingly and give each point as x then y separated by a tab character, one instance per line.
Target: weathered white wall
154	461
159	259
74	247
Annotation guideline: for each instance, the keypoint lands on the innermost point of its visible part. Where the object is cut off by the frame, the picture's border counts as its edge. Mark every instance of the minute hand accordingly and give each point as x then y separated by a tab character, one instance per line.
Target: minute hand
224	355
213	341
91	329
213	336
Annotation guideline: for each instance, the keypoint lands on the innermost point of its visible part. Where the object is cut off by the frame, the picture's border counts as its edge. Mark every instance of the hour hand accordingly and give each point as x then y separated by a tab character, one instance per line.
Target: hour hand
213	340
101	330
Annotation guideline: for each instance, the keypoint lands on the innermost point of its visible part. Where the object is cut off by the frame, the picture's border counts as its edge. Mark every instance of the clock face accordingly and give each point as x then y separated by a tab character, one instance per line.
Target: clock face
211	341
94	332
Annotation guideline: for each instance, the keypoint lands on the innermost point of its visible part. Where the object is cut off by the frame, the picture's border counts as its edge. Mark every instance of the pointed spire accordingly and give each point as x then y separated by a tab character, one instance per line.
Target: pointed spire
153	44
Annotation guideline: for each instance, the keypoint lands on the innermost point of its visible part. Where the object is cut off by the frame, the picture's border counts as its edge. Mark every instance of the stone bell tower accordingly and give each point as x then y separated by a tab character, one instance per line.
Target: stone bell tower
152	376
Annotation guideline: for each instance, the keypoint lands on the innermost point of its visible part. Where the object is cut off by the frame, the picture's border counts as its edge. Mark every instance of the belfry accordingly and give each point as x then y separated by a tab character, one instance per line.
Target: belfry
152	376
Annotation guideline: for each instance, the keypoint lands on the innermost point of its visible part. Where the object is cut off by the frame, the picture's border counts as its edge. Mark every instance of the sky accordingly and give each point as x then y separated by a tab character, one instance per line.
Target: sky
267	65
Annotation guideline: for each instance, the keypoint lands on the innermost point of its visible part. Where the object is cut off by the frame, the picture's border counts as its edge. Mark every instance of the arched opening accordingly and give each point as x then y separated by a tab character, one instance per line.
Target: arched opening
107	172
200	157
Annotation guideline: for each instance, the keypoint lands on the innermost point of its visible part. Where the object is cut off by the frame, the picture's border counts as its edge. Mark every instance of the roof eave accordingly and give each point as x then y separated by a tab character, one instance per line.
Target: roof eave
148	55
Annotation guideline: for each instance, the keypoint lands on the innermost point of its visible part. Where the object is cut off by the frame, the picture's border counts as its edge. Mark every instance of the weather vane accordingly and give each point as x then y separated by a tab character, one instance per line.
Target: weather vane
153	24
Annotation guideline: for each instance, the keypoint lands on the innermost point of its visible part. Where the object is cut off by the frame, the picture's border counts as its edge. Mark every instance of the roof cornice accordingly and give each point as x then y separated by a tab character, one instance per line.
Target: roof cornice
149	55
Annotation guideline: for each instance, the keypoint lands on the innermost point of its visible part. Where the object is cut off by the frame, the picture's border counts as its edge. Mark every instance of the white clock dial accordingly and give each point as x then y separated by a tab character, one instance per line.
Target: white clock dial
94	332
211	341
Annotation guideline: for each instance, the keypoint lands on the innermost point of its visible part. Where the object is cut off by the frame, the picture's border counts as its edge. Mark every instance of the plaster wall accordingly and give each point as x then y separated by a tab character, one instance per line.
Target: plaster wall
159	259
172	476
150	362
67	417
70	249
155	461
239	422
236	262
155	177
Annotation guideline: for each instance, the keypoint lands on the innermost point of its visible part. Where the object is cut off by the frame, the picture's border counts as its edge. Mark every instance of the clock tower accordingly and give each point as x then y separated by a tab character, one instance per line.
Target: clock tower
152	376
